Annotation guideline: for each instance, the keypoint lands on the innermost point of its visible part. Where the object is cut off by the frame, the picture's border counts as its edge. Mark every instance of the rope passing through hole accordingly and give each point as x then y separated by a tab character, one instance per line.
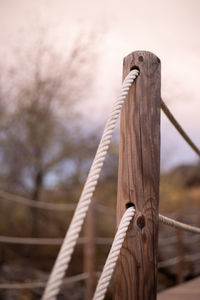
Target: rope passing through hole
113	255
62	261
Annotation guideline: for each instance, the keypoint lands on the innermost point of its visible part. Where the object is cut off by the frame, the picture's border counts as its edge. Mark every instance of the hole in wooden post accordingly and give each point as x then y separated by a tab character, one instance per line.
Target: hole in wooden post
140	58
130	204
141	221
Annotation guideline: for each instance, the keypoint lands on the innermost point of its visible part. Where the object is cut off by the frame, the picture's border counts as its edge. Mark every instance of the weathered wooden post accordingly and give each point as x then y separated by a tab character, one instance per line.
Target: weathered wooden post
138	180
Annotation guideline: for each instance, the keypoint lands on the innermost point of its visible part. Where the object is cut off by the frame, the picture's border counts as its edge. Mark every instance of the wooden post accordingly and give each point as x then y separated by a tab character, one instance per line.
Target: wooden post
138	180
90	251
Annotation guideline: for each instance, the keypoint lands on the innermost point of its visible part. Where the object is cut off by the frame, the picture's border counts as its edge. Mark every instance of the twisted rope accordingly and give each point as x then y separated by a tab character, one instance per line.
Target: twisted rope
177	224
64	256
117	244
110	264
169	115
47	205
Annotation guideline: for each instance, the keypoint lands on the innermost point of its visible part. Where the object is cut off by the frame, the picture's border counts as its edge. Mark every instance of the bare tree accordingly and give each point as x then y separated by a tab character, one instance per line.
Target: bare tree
43	128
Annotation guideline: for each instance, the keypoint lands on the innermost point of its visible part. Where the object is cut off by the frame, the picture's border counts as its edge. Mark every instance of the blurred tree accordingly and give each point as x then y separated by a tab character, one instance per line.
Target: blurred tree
43	127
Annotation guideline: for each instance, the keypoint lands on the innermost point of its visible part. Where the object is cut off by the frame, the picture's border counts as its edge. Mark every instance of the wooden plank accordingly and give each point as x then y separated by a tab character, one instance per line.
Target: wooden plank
185	291
138	180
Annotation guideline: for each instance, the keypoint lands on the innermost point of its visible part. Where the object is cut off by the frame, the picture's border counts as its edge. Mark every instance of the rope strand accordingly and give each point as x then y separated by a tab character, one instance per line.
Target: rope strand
60	207
179	128
110	264
177	224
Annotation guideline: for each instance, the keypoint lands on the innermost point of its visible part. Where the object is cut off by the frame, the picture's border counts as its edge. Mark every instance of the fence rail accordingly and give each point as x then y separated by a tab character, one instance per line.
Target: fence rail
179	128
136	241
47	205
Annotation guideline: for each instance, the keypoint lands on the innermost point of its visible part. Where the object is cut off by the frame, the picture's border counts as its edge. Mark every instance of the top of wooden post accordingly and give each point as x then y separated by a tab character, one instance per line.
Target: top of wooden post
138	179
145	61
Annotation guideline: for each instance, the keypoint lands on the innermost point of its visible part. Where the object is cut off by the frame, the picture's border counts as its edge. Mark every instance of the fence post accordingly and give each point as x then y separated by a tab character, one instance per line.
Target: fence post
138	180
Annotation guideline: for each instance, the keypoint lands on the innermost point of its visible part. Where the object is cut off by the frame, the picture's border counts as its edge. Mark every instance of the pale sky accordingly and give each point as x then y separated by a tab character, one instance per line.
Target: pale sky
170	29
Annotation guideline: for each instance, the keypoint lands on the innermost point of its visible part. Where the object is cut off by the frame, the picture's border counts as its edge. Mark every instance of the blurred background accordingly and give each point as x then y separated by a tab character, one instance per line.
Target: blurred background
61	69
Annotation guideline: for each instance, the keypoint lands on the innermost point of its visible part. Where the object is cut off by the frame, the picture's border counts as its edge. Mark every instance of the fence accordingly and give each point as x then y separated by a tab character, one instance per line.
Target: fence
133	254
89	241
139	172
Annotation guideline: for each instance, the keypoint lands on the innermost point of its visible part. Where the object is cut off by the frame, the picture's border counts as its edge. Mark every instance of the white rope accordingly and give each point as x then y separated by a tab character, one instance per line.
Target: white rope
64	256
109	266
117	243
49	206
180	225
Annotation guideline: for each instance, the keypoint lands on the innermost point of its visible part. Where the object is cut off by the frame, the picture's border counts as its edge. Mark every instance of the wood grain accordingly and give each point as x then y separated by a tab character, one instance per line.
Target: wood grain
138	180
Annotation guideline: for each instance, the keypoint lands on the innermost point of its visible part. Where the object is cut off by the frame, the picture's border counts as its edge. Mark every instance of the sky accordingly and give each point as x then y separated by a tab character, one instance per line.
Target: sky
169	29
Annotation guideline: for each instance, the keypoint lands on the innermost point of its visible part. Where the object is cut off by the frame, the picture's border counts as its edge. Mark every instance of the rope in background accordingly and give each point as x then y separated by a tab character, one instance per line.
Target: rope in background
177	224
179	128
108	269
117	244
80	277
67	248
111	260
83	276
61	265
49	206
